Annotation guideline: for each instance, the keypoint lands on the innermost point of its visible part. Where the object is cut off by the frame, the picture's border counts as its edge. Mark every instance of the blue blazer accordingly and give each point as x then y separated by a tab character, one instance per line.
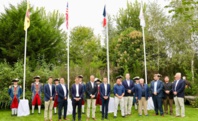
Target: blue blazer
127	87
47	92
180	88
11	93
80	91
159	88
60	92
138	91
102	90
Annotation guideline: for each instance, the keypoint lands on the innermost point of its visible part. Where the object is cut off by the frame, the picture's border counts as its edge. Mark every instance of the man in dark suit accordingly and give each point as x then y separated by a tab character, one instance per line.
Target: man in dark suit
77	96
62	91
168	96
142	95
178	92
91	91
105	89
157	94
128	96
49	93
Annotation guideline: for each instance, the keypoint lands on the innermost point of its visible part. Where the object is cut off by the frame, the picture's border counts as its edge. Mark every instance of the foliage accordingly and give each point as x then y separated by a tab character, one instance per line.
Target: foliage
45	38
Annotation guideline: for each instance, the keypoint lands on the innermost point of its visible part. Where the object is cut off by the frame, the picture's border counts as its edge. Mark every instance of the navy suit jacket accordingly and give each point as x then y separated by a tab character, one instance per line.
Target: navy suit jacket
102	90
180	88
80	91
47	92
138	91
127	87
159	88
60	92
90	90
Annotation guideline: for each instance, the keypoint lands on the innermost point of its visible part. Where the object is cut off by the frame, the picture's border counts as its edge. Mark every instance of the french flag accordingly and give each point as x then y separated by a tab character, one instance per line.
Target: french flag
104	15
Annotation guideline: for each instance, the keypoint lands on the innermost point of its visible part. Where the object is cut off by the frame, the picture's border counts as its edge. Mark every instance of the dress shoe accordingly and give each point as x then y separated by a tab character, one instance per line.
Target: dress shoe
123	116
94	119
102	118
162	115
87	119
115	117
66	119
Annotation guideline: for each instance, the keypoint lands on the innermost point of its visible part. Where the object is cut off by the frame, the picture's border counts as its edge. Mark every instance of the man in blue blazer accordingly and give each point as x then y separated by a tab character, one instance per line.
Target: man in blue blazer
178	92
62	91
157	94
77	96
49	93
105	89
128	95
142	95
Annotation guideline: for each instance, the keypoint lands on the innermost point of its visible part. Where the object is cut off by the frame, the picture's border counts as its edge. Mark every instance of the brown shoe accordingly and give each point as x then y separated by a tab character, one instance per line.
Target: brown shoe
87	119
162	115
59	120
66	119
94	119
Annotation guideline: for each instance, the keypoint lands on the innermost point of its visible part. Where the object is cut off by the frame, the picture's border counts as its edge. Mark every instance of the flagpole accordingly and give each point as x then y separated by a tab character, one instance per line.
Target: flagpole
144	44
24	65
107	41
67	26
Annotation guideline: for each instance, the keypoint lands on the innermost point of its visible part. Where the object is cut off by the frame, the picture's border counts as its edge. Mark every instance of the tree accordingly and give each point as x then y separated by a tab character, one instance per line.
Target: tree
45	38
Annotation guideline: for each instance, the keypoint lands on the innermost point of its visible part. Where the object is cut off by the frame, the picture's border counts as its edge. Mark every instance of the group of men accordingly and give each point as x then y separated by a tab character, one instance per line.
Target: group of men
125	92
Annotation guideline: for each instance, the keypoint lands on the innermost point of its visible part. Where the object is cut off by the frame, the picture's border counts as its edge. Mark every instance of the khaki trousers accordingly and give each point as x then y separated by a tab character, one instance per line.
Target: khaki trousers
179	105
128	104
117	102
89	103
142	104
48	107
167	102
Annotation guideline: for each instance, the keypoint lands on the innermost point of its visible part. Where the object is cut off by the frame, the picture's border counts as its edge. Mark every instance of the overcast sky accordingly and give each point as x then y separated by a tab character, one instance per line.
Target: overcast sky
81	12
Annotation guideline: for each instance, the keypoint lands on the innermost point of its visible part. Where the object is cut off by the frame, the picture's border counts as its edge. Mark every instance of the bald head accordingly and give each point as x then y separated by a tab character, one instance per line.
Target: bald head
92	78
127	76
177	76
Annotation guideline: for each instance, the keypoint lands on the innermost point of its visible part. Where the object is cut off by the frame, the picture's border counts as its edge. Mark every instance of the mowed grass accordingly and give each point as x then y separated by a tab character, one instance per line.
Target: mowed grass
191	115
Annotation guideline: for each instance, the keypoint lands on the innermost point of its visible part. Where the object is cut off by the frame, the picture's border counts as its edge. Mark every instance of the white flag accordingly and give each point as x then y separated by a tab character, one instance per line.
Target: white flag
141	17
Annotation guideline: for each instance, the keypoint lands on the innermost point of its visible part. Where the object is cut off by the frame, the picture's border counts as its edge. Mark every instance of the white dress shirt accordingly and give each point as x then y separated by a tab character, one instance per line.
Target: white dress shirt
64	89
176	84
155	86
50	87
77	90
128	82
105	86
92	84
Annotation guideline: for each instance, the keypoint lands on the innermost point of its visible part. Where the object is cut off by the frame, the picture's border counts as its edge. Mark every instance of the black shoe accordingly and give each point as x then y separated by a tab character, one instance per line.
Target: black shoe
83	112
115	117
12	114
39	113
32	113
106	117
79	120
123	116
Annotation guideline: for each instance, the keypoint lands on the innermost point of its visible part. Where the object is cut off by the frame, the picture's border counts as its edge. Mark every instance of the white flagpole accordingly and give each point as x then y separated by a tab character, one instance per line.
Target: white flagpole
107	40
24	65
142	23
68	74
144	44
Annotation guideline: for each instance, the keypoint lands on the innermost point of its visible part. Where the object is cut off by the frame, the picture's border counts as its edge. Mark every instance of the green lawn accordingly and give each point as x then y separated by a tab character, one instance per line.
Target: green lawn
191	115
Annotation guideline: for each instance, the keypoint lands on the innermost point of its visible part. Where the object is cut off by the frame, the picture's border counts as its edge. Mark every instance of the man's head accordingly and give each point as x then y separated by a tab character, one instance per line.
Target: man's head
127	76
77	80
141	81
119	80
50	80
166	79
156	77
62	80
105	80
80	77
92	78
177	76
37	78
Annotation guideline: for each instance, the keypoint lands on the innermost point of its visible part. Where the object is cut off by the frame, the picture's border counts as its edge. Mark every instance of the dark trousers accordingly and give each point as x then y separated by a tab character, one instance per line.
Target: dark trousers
167	101
74	104
157	101
105	106
62	105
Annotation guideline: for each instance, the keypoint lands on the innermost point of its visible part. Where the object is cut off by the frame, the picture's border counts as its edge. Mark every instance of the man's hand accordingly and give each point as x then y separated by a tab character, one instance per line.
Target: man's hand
65	98
175	93
136	98
167	92
51	98
129	91
155	93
